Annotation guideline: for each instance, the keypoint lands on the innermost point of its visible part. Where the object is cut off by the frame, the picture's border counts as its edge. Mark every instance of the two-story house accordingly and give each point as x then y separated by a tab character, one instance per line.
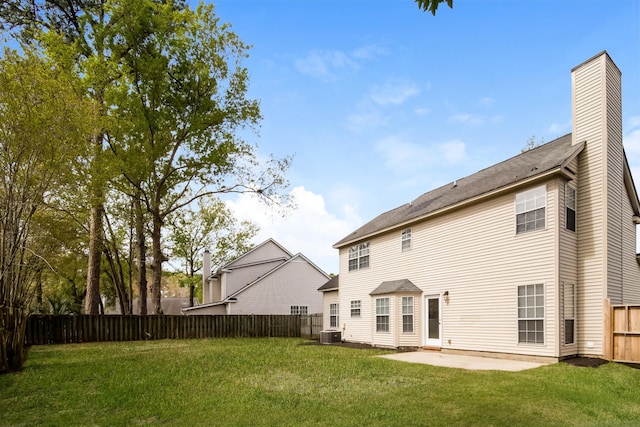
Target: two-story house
268	279
519	258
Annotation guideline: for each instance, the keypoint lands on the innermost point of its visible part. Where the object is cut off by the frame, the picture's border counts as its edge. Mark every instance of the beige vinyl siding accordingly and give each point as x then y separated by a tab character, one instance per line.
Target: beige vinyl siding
589	126
295	283
616	192
328	298
568	260
475	254
631	269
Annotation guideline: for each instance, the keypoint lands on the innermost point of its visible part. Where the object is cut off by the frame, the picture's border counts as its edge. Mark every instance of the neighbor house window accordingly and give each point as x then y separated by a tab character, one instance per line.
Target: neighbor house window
530	209
406	239
299	309
531	314
333	315
382	315
569	300
407	314
359	256
570	202
355	308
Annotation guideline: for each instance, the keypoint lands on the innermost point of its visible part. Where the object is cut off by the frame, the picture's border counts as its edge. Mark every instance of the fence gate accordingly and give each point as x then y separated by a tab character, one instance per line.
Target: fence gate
625	333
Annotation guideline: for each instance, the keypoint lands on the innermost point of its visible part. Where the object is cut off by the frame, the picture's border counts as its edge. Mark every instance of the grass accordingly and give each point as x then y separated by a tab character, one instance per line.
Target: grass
241	382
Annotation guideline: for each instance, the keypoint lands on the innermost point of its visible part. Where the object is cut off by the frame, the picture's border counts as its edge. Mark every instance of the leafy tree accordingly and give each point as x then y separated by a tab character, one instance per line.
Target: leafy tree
181	103
210	227
432	5
41	121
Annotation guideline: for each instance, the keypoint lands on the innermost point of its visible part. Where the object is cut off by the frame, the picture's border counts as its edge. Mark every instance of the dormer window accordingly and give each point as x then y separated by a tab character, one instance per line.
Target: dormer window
531	209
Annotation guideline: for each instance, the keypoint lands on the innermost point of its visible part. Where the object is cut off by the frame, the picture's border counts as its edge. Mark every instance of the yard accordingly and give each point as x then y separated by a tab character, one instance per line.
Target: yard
277	381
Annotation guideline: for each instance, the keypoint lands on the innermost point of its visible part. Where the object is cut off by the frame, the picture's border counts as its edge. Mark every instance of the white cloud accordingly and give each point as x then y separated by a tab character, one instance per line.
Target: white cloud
406	158
422	111
327	64
454	151
324	64
487	101
394	93
557	128
467	119
309	229
366	120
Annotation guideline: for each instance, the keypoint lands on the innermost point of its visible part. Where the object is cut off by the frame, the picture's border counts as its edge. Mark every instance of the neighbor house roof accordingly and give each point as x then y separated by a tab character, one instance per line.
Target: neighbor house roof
395	286
543	160
331	285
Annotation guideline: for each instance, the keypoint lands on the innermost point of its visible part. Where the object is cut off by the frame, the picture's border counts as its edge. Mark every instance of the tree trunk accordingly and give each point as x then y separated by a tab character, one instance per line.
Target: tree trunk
158	259
92	298
142	257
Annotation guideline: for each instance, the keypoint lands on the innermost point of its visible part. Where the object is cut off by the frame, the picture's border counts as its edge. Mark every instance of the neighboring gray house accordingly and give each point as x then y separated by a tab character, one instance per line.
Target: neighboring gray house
266	280
521	258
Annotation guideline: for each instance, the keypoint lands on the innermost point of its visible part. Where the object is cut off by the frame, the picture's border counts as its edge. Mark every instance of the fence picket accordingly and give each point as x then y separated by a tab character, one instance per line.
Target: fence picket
54	329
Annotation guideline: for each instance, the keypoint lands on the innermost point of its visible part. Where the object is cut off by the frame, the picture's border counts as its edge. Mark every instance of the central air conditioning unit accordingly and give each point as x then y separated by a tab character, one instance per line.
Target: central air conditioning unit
328	337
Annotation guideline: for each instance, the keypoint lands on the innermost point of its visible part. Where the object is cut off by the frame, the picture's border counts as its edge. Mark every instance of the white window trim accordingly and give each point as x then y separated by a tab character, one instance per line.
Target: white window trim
408	306
574	303
574	208
358	253
356	305
528	201
405	239
334	314
535	317
382	314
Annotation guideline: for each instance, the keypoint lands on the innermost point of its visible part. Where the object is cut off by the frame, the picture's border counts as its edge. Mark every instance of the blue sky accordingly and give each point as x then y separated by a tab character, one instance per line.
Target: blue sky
380	102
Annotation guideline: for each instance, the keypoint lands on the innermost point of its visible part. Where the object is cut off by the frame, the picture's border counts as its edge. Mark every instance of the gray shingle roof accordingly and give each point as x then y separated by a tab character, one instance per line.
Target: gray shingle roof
330	285
538	161
395	286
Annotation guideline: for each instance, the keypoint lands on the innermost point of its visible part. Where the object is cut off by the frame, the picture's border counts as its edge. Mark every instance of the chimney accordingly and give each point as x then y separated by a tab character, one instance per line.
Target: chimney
596	94
206	273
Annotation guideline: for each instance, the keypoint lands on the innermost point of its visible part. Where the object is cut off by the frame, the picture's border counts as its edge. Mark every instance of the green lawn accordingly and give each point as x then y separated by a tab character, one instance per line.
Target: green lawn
248	382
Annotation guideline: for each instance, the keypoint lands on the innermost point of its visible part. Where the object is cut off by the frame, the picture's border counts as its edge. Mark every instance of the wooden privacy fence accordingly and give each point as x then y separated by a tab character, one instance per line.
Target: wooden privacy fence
51	329
310	326
625	333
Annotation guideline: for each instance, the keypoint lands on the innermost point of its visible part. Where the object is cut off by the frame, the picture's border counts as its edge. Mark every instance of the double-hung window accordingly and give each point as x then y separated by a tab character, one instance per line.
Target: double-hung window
355	308
570	211
406	239
333	315
359	256
407	314
531	314
382	314
569	305
531	209
299	309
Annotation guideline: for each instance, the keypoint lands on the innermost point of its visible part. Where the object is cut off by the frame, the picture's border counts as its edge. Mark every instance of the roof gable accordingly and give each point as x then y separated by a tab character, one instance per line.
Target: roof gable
547	158
331	285
268	250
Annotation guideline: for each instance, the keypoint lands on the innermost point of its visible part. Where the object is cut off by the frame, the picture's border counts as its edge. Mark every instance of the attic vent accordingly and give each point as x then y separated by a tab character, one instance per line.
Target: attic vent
455	183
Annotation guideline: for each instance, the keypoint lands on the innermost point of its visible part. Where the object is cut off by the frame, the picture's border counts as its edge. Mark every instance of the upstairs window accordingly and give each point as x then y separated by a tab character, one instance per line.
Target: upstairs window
570	202
359	256
531	209
406	240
